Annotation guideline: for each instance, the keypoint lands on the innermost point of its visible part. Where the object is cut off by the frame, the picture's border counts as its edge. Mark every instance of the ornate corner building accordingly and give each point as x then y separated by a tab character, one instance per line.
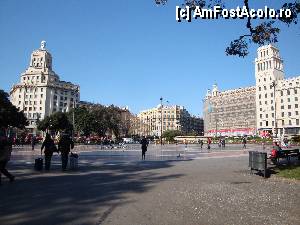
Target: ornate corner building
40	91
271	106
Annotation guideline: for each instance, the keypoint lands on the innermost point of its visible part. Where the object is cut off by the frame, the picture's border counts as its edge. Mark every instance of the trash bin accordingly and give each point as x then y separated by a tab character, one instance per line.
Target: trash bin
258	161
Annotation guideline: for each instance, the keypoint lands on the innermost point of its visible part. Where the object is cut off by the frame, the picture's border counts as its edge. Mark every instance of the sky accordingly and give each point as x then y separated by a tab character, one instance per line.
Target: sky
130	53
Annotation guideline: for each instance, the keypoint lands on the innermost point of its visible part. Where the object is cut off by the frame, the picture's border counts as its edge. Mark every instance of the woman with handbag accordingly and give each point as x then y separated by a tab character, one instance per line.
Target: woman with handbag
5	153
50	147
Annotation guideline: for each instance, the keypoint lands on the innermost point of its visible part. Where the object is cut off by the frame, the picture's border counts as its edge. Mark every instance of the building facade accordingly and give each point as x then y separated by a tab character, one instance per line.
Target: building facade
40	91
230	113
271	106
277	98
173	118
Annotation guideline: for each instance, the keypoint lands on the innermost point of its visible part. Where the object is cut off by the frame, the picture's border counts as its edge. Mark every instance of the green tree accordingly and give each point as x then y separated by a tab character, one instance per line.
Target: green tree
56	122
169	135
83	120
257	32
9	114
101	120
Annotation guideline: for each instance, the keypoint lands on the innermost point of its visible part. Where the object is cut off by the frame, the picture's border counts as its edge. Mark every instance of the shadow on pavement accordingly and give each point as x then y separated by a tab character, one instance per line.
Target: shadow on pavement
87	196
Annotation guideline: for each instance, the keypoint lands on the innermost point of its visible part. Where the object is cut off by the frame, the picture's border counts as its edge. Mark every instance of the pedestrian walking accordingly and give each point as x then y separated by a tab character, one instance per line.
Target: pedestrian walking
223	143
201	144
5	153
33	139
65	145
208	143
144	143
244	142
50	147
220	143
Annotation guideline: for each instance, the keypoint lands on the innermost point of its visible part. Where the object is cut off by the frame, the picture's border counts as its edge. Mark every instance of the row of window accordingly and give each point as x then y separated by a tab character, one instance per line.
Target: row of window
32	108
32	78
30	102
282	114
265	53
290	106
265	79
62	98
31	90
33	115
282	107
30	96
282	123
62	104
288	100
281	93
266	95
59	110
288	92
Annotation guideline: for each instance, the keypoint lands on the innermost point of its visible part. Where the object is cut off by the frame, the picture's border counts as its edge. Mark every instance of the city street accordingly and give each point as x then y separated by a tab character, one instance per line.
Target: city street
117	187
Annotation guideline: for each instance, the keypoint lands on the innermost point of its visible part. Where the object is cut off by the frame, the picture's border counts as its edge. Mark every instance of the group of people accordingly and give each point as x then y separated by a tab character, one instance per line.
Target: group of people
65	145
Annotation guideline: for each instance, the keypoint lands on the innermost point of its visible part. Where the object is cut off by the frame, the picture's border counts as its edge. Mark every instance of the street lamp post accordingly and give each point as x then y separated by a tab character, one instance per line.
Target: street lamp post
216	127
161	119
275	117
73	118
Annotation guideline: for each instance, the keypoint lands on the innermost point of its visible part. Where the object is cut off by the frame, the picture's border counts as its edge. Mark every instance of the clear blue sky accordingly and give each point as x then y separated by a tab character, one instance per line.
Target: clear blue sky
131	52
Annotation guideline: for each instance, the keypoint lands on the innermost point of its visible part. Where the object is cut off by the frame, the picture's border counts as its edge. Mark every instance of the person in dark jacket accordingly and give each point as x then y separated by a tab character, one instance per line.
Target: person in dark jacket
244	141
65	145
5	152
33	140
144	144
50	147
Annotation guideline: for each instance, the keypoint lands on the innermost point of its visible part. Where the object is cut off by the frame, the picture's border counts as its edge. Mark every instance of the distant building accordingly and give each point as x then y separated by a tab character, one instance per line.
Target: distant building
271	106
85	104
230	113
40	91
173	118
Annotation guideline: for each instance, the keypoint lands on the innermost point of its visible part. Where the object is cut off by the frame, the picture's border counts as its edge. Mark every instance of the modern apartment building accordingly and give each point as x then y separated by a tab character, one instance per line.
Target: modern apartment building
40	91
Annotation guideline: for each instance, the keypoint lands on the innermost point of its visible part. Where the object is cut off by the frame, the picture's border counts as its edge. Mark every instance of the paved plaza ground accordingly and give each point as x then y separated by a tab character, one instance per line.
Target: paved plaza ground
116	187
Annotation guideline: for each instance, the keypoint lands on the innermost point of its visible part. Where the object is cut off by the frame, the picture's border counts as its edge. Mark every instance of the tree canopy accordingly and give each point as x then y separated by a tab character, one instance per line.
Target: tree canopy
96	119
262	33
169	135
56	122
9	114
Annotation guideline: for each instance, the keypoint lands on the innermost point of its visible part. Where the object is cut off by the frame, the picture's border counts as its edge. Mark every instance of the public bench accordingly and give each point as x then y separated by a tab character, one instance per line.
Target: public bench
276	155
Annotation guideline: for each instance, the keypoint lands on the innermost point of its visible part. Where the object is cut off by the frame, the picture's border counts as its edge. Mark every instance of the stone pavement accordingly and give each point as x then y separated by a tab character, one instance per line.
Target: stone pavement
116	187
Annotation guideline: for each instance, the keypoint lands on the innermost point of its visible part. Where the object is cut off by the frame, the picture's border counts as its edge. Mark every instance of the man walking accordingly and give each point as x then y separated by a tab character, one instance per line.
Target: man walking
208	143
5	153
50	147
65	145
33	140
244	142
201	144
144	144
